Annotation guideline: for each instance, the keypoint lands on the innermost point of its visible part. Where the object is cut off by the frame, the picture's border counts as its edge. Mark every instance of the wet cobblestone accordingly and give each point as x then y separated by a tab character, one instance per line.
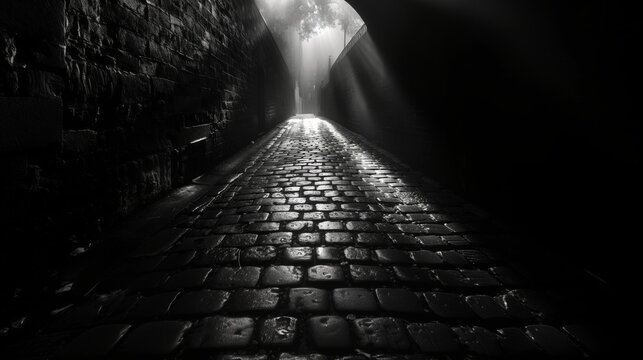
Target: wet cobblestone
321	248
280	331
329	332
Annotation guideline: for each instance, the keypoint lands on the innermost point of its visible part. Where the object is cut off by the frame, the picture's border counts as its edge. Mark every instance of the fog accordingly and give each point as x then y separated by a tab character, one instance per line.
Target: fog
311	35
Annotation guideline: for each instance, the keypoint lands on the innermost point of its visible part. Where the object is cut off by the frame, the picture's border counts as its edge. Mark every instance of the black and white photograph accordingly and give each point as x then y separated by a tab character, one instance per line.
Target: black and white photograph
319	179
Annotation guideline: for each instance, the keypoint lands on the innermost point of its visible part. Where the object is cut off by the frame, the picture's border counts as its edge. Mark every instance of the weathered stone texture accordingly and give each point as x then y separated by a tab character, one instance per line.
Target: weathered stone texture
138	82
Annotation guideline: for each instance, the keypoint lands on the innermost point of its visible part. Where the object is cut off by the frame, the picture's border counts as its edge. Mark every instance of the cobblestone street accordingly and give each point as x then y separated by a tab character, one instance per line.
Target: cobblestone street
324	247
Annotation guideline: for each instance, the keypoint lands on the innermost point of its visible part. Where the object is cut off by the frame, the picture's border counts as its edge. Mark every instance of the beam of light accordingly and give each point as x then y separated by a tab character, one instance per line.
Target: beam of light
309	56
373	91
316	51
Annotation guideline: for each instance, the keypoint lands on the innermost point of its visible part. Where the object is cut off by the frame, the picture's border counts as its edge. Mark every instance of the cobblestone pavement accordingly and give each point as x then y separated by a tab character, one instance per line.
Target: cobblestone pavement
322	248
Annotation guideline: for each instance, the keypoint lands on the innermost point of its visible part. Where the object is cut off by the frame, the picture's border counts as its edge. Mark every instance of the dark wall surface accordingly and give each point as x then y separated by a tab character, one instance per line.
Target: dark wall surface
120	101
522	108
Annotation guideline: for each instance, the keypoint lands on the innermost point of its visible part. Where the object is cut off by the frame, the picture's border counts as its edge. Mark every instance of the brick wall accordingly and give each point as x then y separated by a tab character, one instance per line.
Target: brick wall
133	98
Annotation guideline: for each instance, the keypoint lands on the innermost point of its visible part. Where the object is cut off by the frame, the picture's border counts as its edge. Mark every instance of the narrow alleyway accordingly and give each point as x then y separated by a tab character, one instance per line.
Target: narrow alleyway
324	247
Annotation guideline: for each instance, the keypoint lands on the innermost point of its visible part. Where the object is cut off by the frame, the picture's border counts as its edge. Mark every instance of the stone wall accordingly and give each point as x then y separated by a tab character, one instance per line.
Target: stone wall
122	100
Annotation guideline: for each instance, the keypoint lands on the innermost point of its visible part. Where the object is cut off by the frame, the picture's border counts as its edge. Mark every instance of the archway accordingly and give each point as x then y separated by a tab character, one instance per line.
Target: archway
311	35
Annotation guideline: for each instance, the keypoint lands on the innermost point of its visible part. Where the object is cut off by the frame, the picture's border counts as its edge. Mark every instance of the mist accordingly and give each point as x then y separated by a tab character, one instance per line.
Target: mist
311	34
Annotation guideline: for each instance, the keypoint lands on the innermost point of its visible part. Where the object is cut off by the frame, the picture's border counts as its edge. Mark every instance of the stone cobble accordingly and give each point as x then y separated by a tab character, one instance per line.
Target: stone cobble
321	248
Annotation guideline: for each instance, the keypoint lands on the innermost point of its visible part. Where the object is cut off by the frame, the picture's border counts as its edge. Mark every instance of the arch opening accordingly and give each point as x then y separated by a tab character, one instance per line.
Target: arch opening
311	35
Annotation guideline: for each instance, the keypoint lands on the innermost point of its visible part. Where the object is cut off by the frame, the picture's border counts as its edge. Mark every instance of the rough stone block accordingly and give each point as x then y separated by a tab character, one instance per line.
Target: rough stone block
155	338
162	88
41	84
246	300
398	300
98	82
382	334
134	88
329	332
200	302
279	331
153	306
308	300
222	332
282	275
234	277
354	300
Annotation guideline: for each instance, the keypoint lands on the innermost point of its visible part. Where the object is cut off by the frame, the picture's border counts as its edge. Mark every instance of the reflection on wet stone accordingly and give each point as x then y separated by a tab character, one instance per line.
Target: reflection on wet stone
320	247
278	331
